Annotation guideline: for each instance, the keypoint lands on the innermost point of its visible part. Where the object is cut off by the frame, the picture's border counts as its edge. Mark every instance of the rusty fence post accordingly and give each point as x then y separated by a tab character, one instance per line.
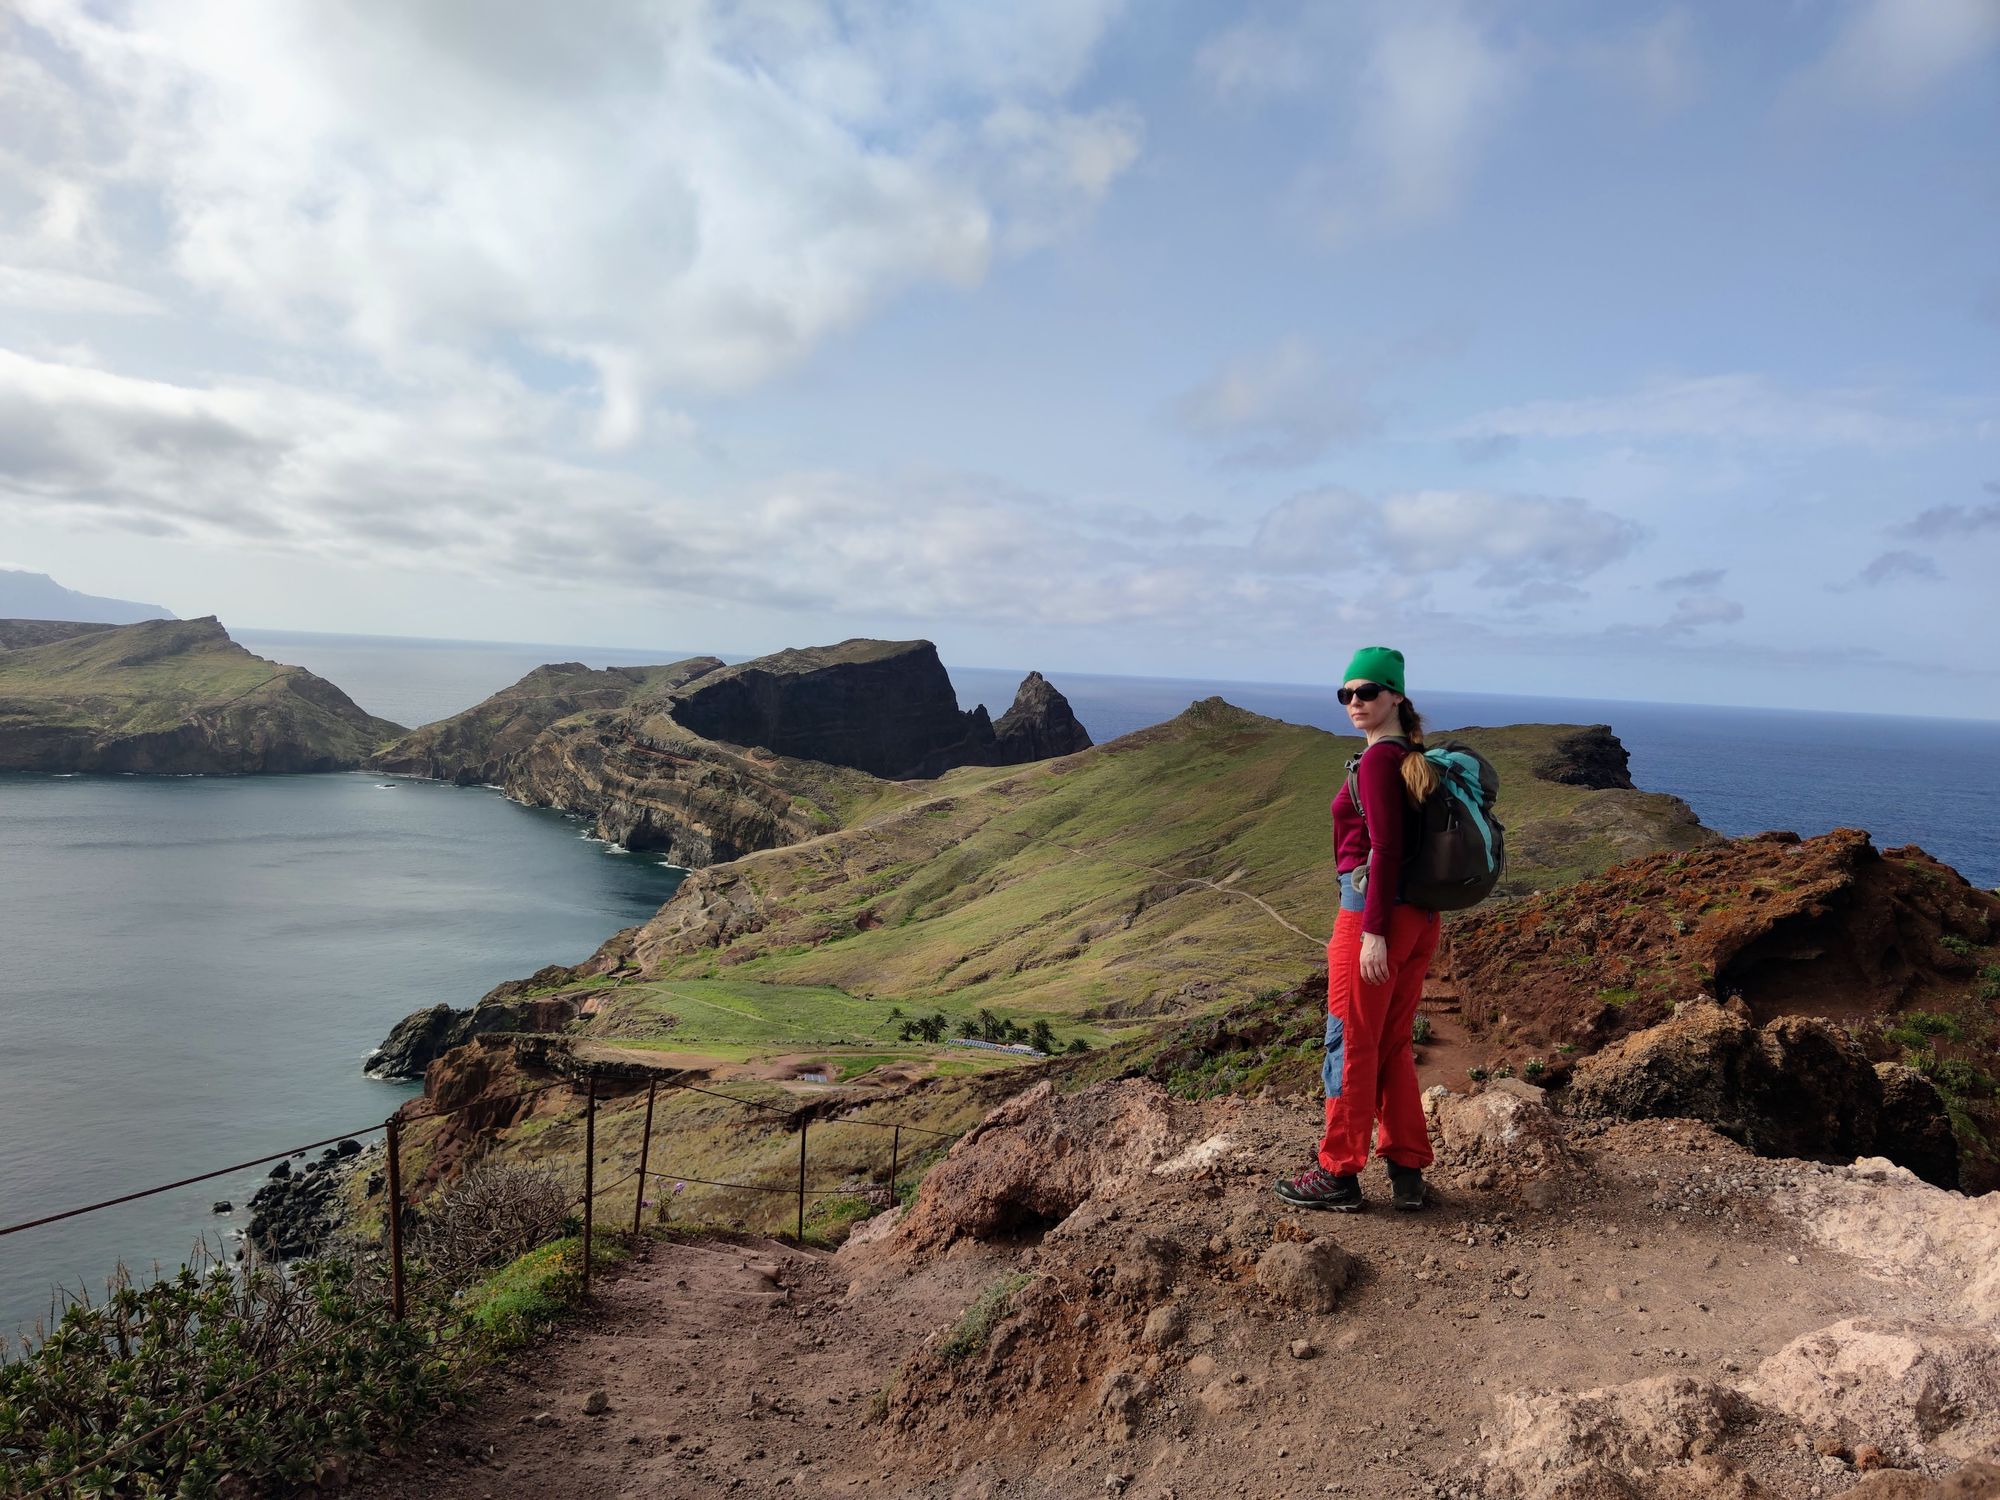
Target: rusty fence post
645	1146
395	1220
895	1158
802	1183
589	1173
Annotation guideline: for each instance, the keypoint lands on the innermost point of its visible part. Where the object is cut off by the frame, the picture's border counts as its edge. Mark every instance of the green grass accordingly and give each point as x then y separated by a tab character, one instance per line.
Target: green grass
736	1019
1618	997
1057	888
523	1297
975	1325
1917	1027
830	1218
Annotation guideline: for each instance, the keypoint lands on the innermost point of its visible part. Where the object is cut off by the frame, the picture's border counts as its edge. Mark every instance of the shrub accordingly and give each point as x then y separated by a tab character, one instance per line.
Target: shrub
1420	1030
329	1371
1954	944
1477	1075
1533	1068
488	1217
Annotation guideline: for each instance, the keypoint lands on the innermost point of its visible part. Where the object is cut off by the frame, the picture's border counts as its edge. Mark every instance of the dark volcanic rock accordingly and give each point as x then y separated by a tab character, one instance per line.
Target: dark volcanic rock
1039	725
1797	1086
1914	1129
884	707
419	1039
296	1214
1592	757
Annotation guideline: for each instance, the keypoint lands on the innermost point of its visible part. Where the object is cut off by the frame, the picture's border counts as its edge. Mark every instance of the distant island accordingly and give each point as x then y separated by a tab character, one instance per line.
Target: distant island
168	697
36	596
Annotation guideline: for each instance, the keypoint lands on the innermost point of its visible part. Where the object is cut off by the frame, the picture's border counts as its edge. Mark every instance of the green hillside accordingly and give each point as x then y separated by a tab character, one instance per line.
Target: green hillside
173	696
1180	867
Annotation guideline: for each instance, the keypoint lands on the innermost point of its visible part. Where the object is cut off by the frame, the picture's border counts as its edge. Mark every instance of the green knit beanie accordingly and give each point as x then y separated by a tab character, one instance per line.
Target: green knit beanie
1383	664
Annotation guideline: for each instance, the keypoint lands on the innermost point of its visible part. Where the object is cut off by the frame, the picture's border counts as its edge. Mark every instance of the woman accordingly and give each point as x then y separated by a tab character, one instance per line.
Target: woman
1379	952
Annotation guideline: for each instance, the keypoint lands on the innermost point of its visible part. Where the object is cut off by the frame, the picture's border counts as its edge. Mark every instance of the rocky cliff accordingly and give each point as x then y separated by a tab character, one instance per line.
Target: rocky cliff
477	747
1898	952
884	707
705	762
173	697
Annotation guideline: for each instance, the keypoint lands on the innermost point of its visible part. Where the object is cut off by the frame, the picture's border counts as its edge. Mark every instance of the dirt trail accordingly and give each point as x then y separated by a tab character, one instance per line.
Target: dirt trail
1660	1251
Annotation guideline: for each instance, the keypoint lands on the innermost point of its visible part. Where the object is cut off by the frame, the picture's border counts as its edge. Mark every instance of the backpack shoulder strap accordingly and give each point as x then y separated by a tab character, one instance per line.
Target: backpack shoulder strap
1354	773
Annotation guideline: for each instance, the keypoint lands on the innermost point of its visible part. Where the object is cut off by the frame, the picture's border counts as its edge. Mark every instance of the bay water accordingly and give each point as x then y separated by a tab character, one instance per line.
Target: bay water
192	970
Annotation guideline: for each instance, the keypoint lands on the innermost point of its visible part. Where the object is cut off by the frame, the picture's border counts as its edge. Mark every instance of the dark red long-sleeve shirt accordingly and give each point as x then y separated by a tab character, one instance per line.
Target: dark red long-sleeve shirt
1380	780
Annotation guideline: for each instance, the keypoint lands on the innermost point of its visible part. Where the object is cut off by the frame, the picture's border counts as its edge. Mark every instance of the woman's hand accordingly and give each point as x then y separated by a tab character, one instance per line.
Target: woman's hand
1374	958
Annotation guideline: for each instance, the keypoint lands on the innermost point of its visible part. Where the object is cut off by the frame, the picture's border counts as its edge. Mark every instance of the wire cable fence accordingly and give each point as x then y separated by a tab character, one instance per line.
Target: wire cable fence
416	1306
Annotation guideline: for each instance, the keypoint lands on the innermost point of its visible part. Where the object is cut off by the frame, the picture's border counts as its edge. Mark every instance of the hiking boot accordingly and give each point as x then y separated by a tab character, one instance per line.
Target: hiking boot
1316	1187
1406	1187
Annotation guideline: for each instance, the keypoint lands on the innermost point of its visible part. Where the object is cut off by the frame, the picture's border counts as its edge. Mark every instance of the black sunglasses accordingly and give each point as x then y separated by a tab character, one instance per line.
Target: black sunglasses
1368	692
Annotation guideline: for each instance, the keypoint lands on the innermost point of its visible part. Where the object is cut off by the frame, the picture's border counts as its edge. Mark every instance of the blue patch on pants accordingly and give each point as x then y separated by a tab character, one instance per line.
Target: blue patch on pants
1336	1056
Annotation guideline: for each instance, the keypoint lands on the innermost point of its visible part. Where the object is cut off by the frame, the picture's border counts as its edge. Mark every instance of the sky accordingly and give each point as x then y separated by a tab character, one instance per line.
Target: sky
1607	351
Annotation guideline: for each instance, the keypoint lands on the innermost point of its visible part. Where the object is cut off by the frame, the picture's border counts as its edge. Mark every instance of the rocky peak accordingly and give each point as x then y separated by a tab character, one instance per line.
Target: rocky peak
884	707
1039	725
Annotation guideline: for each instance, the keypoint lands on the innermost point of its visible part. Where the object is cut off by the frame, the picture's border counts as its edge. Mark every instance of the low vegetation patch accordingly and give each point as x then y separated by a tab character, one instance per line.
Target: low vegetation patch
275	1369
975	1325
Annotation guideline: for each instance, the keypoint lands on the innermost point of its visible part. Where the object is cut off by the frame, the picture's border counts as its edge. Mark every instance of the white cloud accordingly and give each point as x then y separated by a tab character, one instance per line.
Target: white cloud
1431	94
1890	567
461	489
1255	60
1699	581
1717	408
1699	610
687	197
1277	408
1507	539
1953	520
1894	53
47	290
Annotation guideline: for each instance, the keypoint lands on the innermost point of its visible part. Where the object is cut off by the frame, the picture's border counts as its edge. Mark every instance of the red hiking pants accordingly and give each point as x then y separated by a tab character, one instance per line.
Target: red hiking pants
1370	1071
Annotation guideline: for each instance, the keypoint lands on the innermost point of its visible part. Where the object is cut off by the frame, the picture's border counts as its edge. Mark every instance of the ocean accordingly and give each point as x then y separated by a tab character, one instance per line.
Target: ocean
195	968
1932	782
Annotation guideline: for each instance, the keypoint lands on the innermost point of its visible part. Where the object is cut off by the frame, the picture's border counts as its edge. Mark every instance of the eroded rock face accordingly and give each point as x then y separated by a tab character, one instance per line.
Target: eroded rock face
884	707
1791	927
1908	1387
1592	757
1796	1086
1623	1442
1040	725
419	1039
479	746
1033	1161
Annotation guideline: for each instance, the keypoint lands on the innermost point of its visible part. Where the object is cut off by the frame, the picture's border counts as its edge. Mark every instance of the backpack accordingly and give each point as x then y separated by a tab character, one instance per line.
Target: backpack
1458	848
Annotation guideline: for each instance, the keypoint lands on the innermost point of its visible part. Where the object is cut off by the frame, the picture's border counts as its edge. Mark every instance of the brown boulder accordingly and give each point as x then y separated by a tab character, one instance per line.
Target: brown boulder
1797	1086
1030	1163
1308	1276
